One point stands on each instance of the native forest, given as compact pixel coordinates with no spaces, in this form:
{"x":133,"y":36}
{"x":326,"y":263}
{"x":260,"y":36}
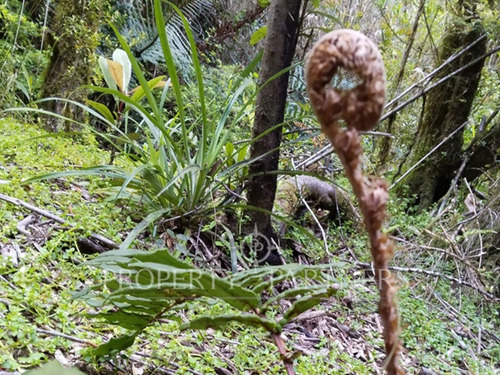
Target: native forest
{"x":250,"y":187}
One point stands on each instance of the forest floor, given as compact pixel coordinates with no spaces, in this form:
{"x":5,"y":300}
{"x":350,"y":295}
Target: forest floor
{"x":46,"y":227}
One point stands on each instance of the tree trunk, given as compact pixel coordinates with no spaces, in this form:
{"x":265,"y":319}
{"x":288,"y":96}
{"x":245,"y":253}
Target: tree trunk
{"x":447,"y":108}
{"x":279,"y":49}
{"x":74,"y":36}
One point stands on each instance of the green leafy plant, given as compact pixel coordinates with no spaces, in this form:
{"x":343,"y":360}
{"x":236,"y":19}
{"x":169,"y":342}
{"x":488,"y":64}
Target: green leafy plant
{"x":155,"y":285}
{"x":21,"y":64}
{"x":175,"y":164}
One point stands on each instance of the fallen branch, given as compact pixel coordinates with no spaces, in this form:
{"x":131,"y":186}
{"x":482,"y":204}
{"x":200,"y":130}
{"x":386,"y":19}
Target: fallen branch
{"x":439,"y":82}
{"x":18,"y":202}
{"x":65,"y":336}
{"x":434,"y":274}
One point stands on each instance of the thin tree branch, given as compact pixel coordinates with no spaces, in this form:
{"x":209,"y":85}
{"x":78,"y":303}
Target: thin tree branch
{"x":434,"y":274}
{"x":441,"y":81}
{"x":435,"y":71}
{"x":427,"y":155}
{"x":328,"y":149}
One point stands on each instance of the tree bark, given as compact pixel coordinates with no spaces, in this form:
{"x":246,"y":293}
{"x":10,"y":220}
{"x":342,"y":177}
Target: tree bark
{"x":447,"y":108}
{"x":279,"y":49}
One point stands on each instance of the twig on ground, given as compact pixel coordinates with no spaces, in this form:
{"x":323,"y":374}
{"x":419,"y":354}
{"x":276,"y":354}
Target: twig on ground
{"x":434,"y":274}
{"x":18,"y":202}
{"x":21,"y":226}
{"x":65,"y":336}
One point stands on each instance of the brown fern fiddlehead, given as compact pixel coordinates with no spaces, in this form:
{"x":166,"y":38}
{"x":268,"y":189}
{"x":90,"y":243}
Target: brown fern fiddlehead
{"x":360,"y":108}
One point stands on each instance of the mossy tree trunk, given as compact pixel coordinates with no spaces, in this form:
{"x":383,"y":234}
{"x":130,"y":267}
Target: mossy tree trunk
{"x":74,"y":37}
{"x":447,"y":108}
{"x":279,"y":49}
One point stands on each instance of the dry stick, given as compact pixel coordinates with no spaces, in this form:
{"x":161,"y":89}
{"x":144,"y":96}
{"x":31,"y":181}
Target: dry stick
{"x":409,"y":45}
{"x":427,"y":155}
{"x":65,"y":336}
{"x":360,"y":108}
{"x":288,"y":361}
{"x":386,"y":144}
{"x":436,"y":71}
{"x":435,"y":274}
{"x":327,"y":149}
{"x":18,"y":202}
{"x":441,"y":81}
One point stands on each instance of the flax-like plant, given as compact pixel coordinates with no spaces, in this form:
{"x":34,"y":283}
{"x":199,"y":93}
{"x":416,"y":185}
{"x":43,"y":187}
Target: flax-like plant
{"x":173,"y":163}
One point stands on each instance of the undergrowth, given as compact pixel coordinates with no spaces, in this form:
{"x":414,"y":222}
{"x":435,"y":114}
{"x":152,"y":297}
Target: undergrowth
{"x":39,"y":318}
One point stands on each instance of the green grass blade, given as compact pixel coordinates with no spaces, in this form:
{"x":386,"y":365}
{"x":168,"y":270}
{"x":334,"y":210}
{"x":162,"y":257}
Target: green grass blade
{"x":151,"y":218}
{"x":206,"y":128}
{"x":172,"y":72}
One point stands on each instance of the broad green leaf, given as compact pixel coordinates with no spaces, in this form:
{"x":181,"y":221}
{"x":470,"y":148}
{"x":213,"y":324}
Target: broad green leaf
{"x":54,"y":368}
{"x":151,"y":306}
{"x":258,"y":35}
{"x":170,"y":269}
{"x":307,"y":302}
{"x":292,"y":293}
{"x":229,"y":148}
{"x":242,"y":154}
{"x":103,"y":110}
{"x":139,"y":93}
{"x":158,"y":289}
{"x":218,"y":322}
{"x":274,"y":274}
{"x":126,"y":320}
{"x":115,"y":345}
{"x":209,"y":284}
